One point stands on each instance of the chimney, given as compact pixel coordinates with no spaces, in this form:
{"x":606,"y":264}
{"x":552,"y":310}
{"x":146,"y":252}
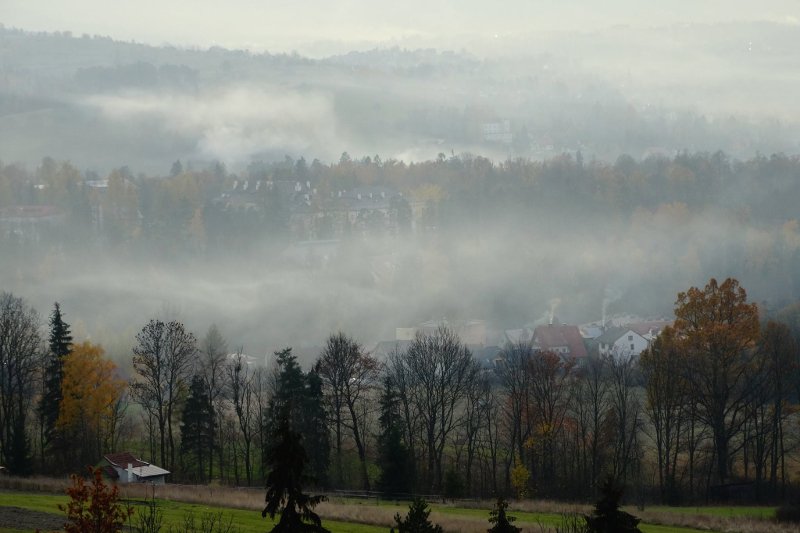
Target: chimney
{"x":130,"y":473}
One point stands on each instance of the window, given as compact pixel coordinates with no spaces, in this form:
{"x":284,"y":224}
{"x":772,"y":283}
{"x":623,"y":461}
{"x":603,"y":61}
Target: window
{"x":632,"y":348}
{"x":630,"y":337}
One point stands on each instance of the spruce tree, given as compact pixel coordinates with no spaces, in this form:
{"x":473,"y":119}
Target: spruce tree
{"x":301,"y":395}
{"x":287,"y":459}
{"x":315,"y":429}
{"x":607,"y":516}
{"x":393,"y":455}
{"x":60,"y":344}
{"x":197,"y":430}
{"x":416,"y":521}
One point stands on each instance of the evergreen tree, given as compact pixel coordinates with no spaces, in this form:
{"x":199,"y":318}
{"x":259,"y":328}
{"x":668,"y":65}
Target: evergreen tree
{"x":19,"y":455}
{"x":197,"y":430}
{"x":416,"y":521}
{"x":393,"y":456}
{"x":289,"y":388}
{"x":502,"y":523}
{"x":287,"y":459}
{"x":315,"y":429}
{"x":60,"y":344}
{"x":301,"y":395}
{"x":607,"y":516}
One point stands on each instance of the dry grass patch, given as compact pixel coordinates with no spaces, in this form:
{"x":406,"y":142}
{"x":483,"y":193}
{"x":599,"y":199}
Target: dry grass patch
{"x":466,"y":516}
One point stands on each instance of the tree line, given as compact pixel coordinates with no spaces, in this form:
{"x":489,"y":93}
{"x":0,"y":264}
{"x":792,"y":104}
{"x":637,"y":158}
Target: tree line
{"x":708,"y":411}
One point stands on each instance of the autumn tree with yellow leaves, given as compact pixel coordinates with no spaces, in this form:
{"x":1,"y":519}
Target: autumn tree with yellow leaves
{"x":91,"y":391}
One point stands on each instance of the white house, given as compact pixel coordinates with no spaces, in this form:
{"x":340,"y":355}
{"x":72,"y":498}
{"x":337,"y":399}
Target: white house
{"x":125,"y":468}
{"x":621,"y":342}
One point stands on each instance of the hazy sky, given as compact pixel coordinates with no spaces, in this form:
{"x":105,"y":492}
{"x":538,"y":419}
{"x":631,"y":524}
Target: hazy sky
{"x":282,"y":25}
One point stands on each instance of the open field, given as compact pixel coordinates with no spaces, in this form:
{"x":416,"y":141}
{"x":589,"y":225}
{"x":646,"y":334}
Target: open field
{"x":361,"y":516}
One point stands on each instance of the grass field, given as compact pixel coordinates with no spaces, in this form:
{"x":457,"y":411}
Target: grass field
{"x":342,"y":516}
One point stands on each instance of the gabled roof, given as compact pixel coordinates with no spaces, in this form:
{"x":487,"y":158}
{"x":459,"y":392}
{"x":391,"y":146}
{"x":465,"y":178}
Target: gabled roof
{"x":123,"y":459}
{"x":652,"y":327}
{"x":611,"y":335}
{"x":553,"y":336}
{"x":138,"y":467}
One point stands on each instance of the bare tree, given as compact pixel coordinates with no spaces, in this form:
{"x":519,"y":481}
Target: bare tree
{"x":550,"y":380}
{"x":778,"y":348}
{"x":213,"y":351}
{"x":162,"y":359}
{"x":476,"y":416}
{"x":441,"y":370}
{"x":666,"y":407}
{"x":626,"y":411}
{"x":590,"y":408}
{"x":241,"y":393}
{"x":20,"y":345}
{"x":398,"y":372}
{"x":515,"y":379}
{"x":490,"y":445}
{"x":348,"y":375}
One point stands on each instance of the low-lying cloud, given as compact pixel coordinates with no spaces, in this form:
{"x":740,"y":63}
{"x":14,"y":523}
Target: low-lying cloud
{"x":233,"y":124}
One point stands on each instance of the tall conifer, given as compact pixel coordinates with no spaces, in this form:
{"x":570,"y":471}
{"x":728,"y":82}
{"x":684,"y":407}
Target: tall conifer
{"x":60,"y":343}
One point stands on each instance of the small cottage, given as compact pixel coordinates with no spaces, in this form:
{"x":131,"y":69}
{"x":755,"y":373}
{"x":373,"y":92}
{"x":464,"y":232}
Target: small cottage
{"x":125,"y":468}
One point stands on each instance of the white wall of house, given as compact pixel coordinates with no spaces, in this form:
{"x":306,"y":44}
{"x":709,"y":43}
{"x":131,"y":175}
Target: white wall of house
{"x":629,"y":343}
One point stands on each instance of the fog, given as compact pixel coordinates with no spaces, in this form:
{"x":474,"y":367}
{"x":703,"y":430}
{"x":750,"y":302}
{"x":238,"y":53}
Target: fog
{"x":306,"y":24}
{"x":232,"y":124}
{"x":511,"y":124}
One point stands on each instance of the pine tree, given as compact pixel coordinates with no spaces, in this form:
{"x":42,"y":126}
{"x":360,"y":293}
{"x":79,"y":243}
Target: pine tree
{"x":393,"y":455}
{"x":287,"y":459}
{"x":60,"y":344}
{"x":197,"y":429}
{"x":502,"y":523}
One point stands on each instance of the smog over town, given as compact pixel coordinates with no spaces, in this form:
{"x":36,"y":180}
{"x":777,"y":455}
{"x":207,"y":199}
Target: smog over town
{"x":506,"y":251}
{"x":544,"y":150}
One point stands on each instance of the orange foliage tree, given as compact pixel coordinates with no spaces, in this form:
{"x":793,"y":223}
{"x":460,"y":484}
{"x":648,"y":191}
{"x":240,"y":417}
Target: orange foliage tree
{"x":717,"y":330}
{"x":91,"y":392}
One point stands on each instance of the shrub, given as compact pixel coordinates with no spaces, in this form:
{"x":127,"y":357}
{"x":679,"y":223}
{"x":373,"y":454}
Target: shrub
{"x":519,"y":480}
{"x":150,"y":518}
{"x":94,"y":508}
{"x":788,"y":513}
{"x":572,"y":523}
{"x":209,"y":522}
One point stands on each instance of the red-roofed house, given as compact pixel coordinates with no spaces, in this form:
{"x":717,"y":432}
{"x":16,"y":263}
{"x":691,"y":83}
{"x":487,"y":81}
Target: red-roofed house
{"x":124,"y":467}
{"x":561,"y":339}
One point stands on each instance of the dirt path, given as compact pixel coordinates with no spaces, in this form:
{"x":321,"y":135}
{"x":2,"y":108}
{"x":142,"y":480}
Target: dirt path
{"x":18,"y":518}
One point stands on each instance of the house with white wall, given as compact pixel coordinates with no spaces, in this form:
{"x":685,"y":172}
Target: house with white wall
{"x":621,"y":342}
{"x":124,"y":467}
